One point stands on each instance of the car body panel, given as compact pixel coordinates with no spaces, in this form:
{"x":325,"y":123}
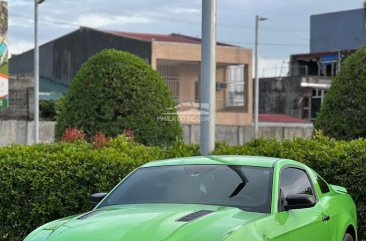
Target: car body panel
{"x":158,"y":222}
{"x":153,"y":222}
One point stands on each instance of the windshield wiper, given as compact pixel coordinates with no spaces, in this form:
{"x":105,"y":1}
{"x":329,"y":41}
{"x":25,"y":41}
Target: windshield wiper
{"x":238,"y":170}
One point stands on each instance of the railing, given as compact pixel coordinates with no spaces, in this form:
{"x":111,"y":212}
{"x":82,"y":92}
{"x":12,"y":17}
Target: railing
{"x":278,"y":72}
{"x":294,"y":71}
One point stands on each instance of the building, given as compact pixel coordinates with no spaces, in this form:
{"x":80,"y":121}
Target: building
{"x":300,"y":93}
{"x":344,"y":30}
{"x":176,"y":57}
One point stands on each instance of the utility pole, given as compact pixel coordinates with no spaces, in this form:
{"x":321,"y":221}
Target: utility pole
{"x":36,"y":72}
{"x":256,"y":87}
{"x":208,"y":77}
{"x":364,"y":8}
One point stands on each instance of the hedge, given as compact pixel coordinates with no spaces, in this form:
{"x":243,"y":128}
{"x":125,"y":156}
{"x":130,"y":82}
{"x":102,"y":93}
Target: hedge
{"x":47,"y":110}
{"x":45,"y":182}
{"x":116,"y":91}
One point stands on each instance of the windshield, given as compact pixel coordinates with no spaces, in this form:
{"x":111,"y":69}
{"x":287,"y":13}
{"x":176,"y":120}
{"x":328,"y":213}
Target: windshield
{"x":248,"y":188}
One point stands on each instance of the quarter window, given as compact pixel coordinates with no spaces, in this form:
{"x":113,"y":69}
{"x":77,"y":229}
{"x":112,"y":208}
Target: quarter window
{"x":324,"y":188}
{"x":295,"y":181}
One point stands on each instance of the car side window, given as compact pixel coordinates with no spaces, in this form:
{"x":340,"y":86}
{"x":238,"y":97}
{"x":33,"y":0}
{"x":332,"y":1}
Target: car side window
{"x":294,"y":181}
{"x":324,"y":188}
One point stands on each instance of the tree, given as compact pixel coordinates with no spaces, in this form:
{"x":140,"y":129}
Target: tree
{"x":116,"y":91}
{"x":343,"y":114}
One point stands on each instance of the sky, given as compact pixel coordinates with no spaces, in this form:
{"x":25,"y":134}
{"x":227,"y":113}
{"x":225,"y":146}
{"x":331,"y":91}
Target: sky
{"x":286,"y":32}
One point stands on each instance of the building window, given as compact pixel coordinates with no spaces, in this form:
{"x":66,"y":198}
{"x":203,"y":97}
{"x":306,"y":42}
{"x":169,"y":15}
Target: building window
{"x":313,"y":103}
{"x":169,"y":72}
{"x":180,"y":77}
{"x":197,"y":91}
{"x":183,"y":80}
{"x":328,"y":65}
{"x":235,"y":86}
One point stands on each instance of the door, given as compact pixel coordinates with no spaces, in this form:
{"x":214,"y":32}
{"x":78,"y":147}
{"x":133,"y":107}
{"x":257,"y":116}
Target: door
{"x":308,"y":224}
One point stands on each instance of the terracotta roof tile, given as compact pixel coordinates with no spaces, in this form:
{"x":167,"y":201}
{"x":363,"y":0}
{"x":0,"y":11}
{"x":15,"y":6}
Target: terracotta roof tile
{"x":278,"y":118}
{"x":174,"y":37}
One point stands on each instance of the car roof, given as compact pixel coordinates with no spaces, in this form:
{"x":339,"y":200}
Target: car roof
{"x":255,"y":161}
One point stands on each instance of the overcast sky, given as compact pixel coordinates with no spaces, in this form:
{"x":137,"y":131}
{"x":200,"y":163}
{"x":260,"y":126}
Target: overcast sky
{"x":286,"y":32}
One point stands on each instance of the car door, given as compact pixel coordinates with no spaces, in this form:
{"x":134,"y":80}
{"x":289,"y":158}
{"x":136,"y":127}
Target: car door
{"x":307,"y":224}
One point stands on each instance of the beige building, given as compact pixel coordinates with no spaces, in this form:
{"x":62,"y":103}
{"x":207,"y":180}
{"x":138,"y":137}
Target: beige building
{"x":177,"y":58}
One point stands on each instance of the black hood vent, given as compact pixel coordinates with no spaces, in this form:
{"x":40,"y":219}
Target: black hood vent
{"x":90,"y":214}
{"x":194,"y":216}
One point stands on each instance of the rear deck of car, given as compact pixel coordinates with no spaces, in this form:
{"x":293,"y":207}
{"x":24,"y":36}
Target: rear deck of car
{"x":217,"y":160}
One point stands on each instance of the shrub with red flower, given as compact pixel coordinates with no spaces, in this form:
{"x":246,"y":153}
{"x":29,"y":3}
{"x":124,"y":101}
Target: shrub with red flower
{"x":100,"y":140}
{"x":73,"y":134}
{"x":128,"y":133}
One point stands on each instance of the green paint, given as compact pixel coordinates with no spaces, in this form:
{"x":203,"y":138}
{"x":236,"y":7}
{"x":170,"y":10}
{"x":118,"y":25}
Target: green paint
{"x":158,"y":222}
{"x":4,"y":103}
{"x":4,"y":69}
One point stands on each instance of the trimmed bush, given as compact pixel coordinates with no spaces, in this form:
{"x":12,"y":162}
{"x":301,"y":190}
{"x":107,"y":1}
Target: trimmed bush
{"x":116,"y":91}
{"x":342,"y":115}
{"x":47,"y":110}
{"x":45,"y":182}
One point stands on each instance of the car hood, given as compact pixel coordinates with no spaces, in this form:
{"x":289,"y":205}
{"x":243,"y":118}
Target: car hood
{"x":153,"y":222}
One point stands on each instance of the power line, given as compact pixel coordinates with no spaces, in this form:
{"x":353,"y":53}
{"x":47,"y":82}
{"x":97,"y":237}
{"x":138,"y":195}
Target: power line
{"x":63,"y":23}
{"x":56,"y":22}
{"x":222,"y":25}
{"x":186,"y":21}
{"x":271,"y":44}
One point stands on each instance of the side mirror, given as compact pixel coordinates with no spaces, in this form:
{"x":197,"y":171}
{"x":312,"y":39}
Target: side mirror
{"x":97,"y":198}
{"x":299,"y":201}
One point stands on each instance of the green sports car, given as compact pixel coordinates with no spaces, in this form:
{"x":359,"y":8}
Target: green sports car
{"x":216,"y":198}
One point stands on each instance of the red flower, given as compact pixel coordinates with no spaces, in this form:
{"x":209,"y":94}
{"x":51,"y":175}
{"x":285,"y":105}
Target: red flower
{"x":100,"y":140}
{"x":128,"y":133}
{"x":73,"y":134}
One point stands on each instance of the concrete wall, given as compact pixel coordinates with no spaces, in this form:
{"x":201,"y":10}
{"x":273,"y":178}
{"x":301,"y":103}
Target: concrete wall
{"x":21,"y":132}
{"x":192,"y":53}
{"x":338,"y":31}
{"x":240,"y":135}
{"x":21,"y":99}
{"x":280,"y":96}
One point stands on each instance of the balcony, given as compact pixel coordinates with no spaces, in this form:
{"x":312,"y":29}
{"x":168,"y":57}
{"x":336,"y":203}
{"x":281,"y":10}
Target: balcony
{"x":183,"y":80}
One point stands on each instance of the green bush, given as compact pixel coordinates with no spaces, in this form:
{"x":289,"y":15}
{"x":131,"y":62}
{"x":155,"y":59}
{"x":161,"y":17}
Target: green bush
{"x":342,"y":115}
{"x":114,"y":91}
{"x":45,"y":182}
{"x":47,"y":110}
